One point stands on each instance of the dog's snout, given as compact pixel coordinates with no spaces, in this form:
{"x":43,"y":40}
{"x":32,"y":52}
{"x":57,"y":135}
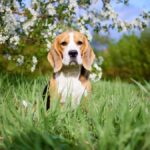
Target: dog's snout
{"x":73,"y":53}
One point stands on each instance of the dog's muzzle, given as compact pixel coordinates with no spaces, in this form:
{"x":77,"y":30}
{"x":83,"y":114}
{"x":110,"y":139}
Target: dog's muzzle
{"x":73,"y":55}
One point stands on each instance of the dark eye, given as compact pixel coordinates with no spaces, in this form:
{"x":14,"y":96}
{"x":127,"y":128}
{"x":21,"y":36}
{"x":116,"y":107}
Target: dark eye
{"x":79,"y":43}
{"x":64,"y":43}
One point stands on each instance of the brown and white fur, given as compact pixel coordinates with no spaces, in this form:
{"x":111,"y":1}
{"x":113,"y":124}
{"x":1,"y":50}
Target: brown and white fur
{"x":71,"y":57}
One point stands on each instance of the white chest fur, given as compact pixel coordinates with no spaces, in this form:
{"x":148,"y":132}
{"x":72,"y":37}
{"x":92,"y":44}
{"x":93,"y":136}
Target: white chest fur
{"x":70,"y":87}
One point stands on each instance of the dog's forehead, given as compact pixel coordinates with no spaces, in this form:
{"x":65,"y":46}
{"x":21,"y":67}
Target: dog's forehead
{"x":78,"y":36}
{"x":72,"y":35}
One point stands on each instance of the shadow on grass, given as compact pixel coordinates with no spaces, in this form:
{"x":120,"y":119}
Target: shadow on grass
{"x":33,"y":140}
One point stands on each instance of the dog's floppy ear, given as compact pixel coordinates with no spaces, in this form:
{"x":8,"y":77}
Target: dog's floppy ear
{"x":88,"y":56}
{"x":54,"y":57}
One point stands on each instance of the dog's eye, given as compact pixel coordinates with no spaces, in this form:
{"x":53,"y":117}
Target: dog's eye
{"x":64,"y":43}
{"x":79,"y":43}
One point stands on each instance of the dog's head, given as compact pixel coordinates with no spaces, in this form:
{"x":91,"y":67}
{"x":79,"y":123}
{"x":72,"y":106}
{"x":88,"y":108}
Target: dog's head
{"x":71,"y":48}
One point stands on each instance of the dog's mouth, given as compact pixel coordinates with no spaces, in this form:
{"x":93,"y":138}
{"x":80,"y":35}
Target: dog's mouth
{"x":73,"y":62}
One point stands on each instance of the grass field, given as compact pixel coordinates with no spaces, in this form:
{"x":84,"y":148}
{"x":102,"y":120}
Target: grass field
{"x":117,"y":118}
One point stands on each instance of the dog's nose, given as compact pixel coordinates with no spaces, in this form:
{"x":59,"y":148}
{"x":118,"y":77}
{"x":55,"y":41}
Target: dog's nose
{"x":73,"y":53}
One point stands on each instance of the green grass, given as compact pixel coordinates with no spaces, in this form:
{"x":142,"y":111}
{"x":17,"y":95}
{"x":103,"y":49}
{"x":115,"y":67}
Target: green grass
{"x":117,"y":117}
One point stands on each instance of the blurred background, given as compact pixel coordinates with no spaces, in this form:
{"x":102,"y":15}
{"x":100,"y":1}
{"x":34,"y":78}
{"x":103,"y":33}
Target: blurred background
{"x":126,"y":53}
{"x":127,"y":57}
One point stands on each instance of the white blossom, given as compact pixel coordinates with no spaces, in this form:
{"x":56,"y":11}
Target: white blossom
{"x":85,"y":17}
{"x":72,"y":4}
{"x":25,"y":103}
{"x":34,"y":63}
{"x":100,"y":75}
{"x":30,"y":23}
{"x":89,"y":36}
{"x":22,"y":19}
{"x":86,"y":32}
{"x":1,"y":8}
{"x":15,"y":4}
{"x":51,"y":9}
{"x":34,"y":60}
{"x":34,"y":2}
{"x":92,"y":76}
{"x":48,"y":45}
{"x":61,"y":1}
{"x":3,"y":39}
{"x":27,"y":25}
{"x":14,"y":40}
{"x":11,"y":23}
{"x":100,"y":60}
{"x":33,"y":68}
{"x":97,"y":67}
{"x":96,"y":74}
{"x":20,"y":60}
{"x":7,"y":9}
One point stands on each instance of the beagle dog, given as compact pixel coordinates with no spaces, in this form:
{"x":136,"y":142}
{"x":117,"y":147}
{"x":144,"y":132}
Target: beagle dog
{"x":71,"y":57}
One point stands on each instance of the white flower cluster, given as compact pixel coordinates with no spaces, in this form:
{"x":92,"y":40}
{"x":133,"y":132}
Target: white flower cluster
{"x":3,"y":38}
{"x":27,"y":25}
{"x":96,"y":74}
{"x":108,"y":13}
{"x":34,"y":2}
{"x":8,"y":25}
{"x":48,"y":45}
{"x":10,"y":22}
{"x":86,"y":32}
{"x":14,"y":40}
{"x":34,"y":63}
{"x":51,"y":9}
{"x":81,"y":23}
{"x":49,"y":33}
{"x":15,"y":4}
{"x":72,"y":5}
{"x":20,"y":60}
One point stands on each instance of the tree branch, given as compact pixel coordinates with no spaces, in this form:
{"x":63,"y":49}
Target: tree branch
{"x":105,"y":2}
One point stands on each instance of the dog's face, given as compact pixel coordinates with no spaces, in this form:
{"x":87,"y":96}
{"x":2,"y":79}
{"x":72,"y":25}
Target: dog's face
{"x":71,"y":48}
{"x":71,"y":44}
